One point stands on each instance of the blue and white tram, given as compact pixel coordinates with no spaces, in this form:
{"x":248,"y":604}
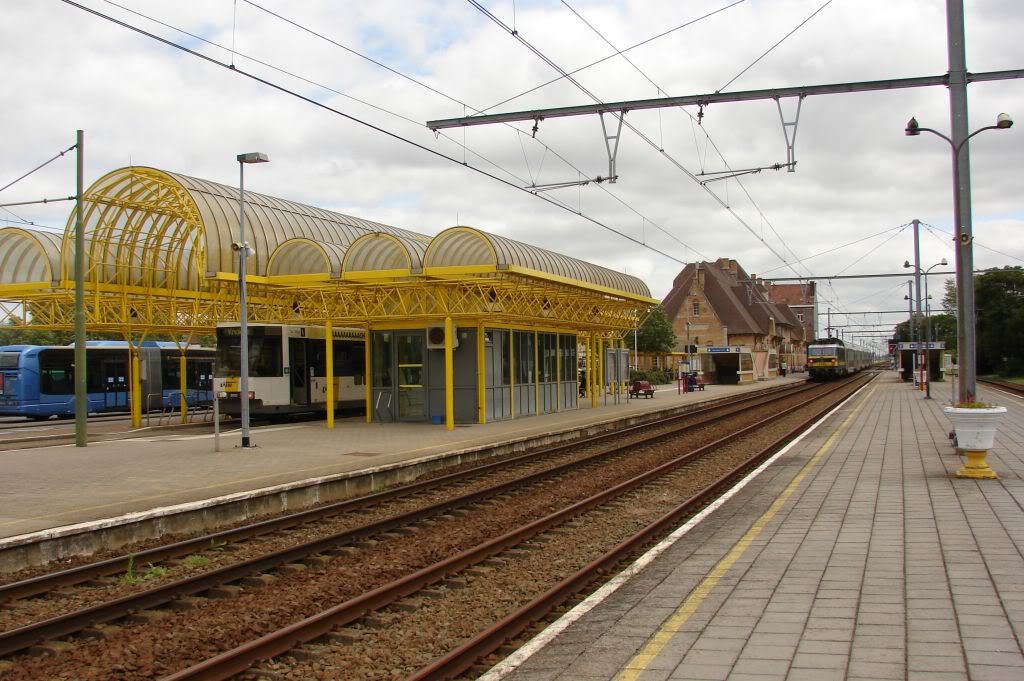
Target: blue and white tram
{"x":38,"y":381}
{"x":288,"y":368}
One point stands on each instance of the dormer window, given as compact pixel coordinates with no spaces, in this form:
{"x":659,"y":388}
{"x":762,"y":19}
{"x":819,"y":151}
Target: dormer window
{"x":696,"y":309}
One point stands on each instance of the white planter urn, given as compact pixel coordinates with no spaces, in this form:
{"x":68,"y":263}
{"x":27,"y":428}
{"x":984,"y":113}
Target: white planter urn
{"x":975,"y":432}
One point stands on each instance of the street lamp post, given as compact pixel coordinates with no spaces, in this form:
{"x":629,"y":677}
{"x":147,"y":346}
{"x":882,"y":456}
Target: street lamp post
{"x":928,"y":330}
{"x":244,"y":251}
{"x":964,"y":255}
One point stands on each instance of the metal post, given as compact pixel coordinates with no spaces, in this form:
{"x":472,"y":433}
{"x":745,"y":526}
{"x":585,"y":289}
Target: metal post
{"x":81,"y":390}
{"x":216,"y":422}
{"x":928,"y":340}
{"x":183,"y":383}
{"x":917,"y":287}
{"x":243,"y":313}
{"x":449,"y":374}
{"x":910,"y":322}
{"x":329,"y":361}
{"x":962,"y":198}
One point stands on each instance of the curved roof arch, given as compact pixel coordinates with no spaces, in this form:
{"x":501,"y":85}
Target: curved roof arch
{"x":466,"y":246}
{"x":29,"y":255}
{"x":381,"y":252}
{"x":306,"y":256}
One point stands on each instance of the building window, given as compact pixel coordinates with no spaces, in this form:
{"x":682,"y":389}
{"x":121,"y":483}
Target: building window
{"x":800,"y":316}
{"x":696,"y":309}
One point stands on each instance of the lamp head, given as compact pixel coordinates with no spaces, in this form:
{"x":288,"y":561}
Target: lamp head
{"x":912,"y":128}
{"x":253,"y":157}
{"x":906,"y":263}
{"x":943,"y":262}
{"x":1004,"y":121}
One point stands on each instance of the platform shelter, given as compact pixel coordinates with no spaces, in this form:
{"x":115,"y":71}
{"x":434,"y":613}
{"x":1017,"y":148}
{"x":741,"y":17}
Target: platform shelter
{"x":489,"y":326}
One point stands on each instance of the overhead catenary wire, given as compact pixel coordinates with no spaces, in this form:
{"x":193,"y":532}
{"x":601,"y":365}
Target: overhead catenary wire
{"x":547,"y":148}
{"x":395,"y":136}
{"x":724,"y":203}
{"x":37,"y":168}
{"x":770,"y":49}
{"x":975,"y":241}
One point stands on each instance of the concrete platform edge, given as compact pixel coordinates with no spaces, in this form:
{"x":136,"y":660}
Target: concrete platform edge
{"x":44,"y":546}
{"x":538,"y":642}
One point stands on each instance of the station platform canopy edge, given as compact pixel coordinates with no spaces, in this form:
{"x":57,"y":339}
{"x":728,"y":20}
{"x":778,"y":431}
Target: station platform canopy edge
{"x":160,"y":258}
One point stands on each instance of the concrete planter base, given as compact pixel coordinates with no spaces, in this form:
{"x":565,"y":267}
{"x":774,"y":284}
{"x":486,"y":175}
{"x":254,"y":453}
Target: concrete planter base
{"x":975,"y":432}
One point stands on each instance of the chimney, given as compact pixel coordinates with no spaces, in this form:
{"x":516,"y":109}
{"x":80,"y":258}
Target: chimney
{"x":725,"y":335}
{"x":700,"y":276}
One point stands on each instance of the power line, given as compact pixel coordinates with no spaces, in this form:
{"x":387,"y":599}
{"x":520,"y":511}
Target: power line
{"x":515,"y":34}
{"x":455,"y":100}
{"x":38,"y":167}
{"x":976,"y":243}
{"x":765,"y":54}
{"x":354,"y":119}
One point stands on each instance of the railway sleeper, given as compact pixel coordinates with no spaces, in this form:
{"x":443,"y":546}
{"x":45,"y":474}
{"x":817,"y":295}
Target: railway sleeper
{"x":48,"y":648}
{"x":291,"y":568}
{"x":100,"y":631}
{"x":407,"y":605}
{"x":146,"y":616}
{"x":343,"y":636}
{"x":186,"y":603}
{"x":257,"y":581}
{"x":309,"y":652}
{"x":223,"y":592}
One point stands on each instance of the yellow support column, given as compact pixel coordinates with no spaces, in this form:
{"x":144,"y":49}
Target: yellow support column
{"x":183,"y":386}
{"x":600,"y":367}
{"x":511,"y":374}
{"x":593,"y":371}
{"x":449,"y":374}
{"x":136,"y":390}
{"x":558,"y":373}
{"x":329,"y":358}
{"x":368,"y":375}
{"x":481,"y":376}
{"x":536,"y":373}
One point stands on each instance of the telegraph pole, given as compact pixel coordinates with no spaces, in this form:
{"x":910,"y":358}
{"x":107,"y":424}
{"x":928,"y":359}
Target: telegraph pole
{"x":81,"y":396}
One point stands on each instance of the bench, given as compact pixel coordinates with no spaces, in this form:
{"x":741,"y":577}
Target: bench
{"x":693,"y":383}
{"x":639,"y":387}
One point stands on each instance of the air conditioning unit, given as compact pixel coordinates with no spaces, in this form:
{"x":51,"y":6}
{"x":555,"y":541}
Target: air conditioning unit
{"x":435,"y":337}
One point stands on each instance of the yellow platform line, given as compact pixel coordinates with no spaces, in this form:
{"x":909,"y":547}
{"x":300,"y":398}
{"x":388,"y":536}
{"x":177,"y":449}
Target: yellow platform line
{"x":673,"y":624}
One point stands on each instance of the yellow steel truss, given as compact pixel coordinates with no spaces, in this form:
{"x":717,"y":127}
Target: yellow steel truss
{"x":146,"y":274}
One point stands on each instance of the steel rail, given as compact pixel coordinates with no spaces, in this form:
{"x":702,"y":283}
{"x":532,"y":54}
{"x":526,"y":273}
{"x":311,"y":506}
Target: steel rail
{"x":462,"y":658}
{"x":241,"y":658}
{"x":18,"y":639}
{"x":84,"y":573}
{"x":1016,"y":388}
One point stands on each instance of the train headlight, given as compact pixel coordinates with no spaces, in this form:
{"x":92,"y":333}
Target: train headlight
{"x":252,"y":395}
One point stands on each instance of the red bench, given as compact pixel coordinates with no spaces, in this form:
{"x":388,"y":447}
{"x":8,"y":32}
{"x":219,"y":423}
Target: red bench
{"x":639,"y":387}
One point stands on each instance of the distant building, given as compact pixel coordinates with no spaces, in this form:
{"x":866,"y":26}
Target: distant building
{"x":802,"y":300}
{"x":735,"y":331}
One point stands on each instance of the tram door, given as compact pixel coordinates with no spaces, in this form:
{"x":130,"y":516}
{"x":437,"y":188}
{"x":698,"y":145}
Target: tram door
{"x":114,"y":373}
{"x":412,"y":392}
{"x":299,"y":370}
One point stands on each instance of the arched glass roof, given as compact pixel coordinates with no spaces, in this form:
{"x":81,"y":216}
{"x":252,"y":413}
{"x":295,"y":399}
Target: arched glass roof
{"x":155,"y":229}
{"x":29,"y":255}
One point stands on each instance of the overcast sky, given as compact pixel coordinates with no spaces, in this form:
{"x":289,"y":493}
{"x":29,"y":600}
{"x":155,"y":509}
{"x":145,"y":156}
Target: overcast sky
{"x":858,"y":178}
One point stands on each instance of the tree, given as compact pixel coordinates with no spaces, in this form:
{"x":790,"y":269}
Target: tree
{"x":656,"y":334}
{"x":999,"y":306}
{"x":12,"y":333}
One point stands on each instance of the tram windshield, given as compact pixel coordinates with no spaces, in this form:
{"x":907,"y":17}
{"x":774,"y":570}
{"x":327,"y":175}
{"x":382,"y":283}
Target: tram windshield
{"x":827,"y":350}
{"x":264,"y":351}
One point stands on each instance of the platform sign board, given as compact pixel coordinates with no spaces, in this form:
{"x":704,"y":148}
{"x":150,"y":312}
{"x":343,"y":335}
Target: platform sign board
{"x":918,"y":345}
{"x":722,"y":349}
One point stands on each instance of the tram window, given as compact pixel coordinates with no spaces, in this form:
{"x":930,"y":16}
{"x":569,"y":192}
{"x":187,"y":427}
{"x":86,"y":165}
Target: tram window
{"x":56,"y":374}
{"x":9,"y":360}
{"x":547,"y":356}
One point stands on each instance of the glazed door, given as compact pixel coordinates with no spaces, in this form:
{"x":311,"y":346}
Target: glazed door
{"x":412,"y":393}
{"x":115,"y":382}
{"x":299,"y":370}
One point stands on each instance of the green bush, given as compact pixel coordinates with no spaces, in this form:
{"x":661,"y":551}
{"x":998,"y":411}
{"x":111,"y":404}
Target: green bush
{"x":652,"y":376}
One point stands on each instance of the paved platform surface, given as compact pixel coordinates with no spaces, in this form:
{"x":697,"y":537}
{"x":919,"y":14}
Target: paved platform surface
{"x":48,"y":487}
{"x":856,"y":555}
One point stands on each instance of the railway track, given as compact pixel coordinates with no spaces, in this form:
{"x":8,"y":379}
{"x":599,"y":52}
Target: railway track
{"x":1009,"y":386}
{"x":366,"y":567}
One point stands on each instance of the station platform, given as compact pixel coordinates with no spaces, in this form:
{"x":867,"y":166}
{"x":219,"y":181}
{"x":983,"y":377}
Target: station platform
{"x":142,"y":487}
{"x":857,"y":554}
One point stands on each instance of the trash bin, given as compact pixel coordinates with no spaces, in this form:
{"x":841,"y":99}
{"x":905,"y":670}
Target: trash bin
{"x":437,"y":420}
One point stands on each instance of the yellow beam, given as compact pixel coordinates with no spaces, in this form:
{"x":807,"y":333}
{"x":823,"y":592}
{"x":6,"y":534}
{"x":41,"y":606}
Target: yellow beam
{"x":449,"y":374}
{"x":329,"y":358}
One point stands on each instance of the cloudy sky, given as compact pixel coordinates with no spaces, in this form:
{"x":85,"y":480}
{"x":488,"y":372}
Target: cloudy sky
{"x":859,"y":180}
